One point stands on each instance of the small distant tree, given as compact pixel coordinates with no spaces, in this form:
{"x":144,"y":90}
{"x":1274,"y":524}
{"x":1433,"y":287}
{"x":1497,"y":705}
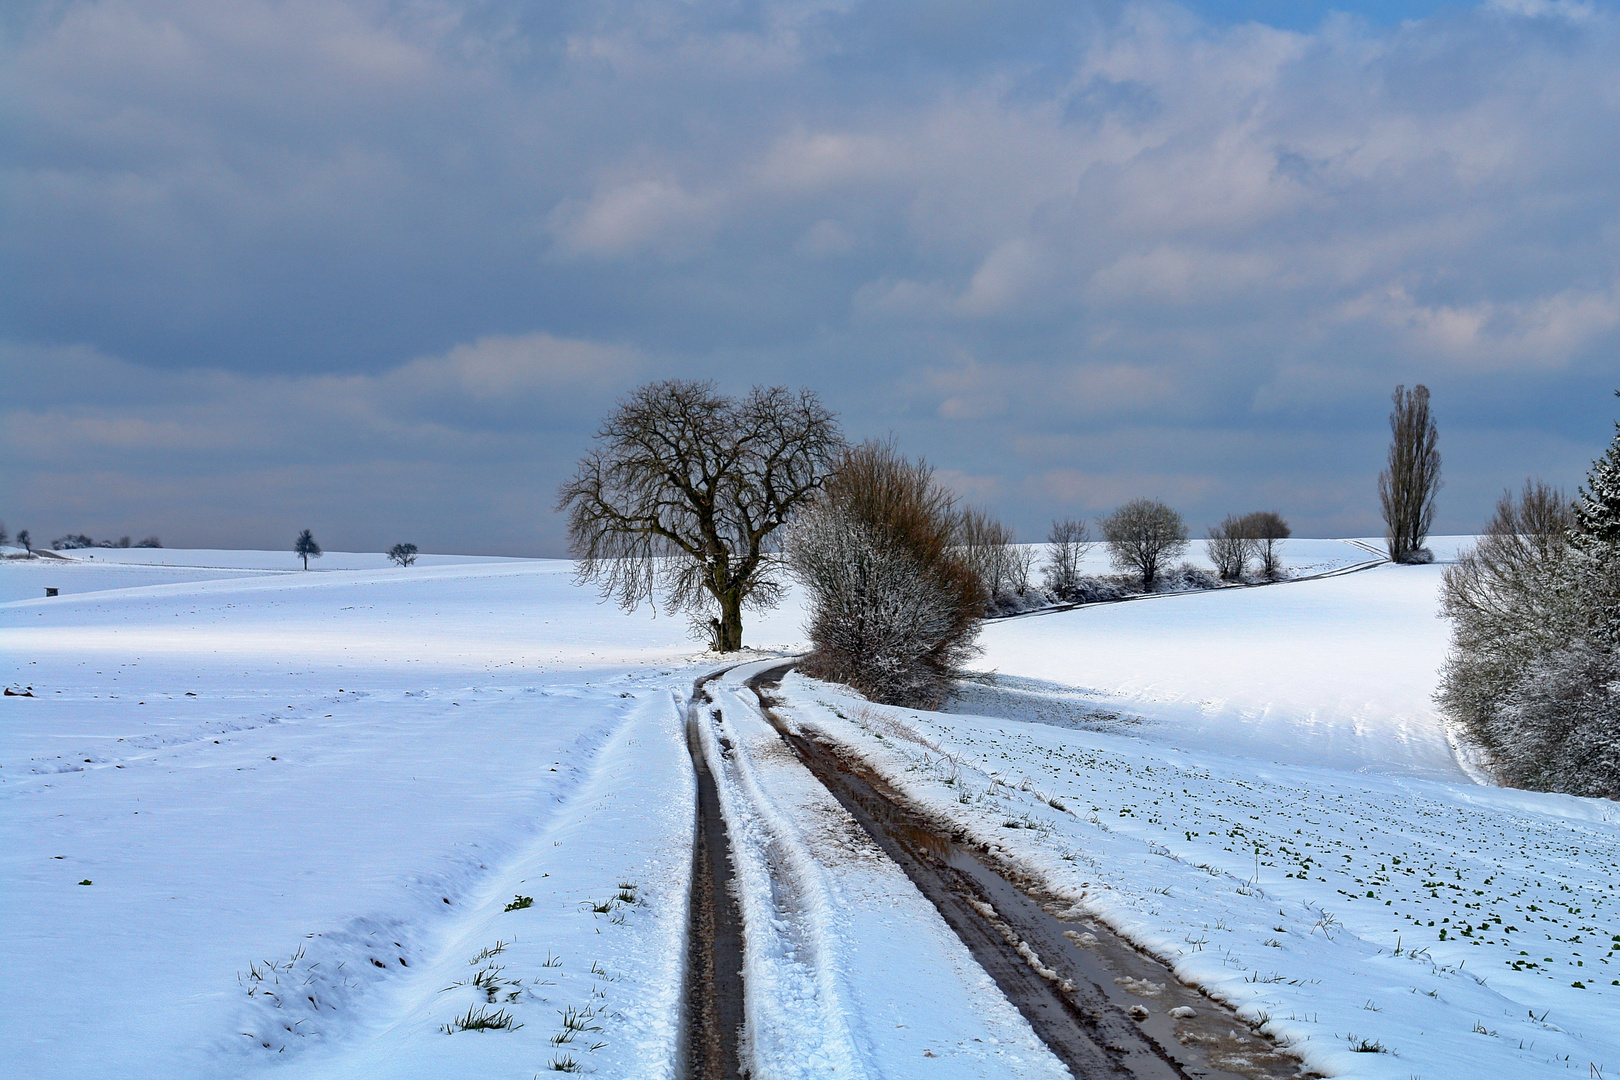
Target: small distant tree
{"x":306,"y":548}
{"x":5,"y":537}
{"x":894,"y":602}
{"x":403,"y":554}
{"x":1408,"y":485}
{"x":25,"y":540}
{"x":1142,"y":536}
{"x":1229,"y":547}
{"x":1068,"y":541}
{"x":684,"y":491}
{"x":150,"y":542}
{"x":1266,"y":530}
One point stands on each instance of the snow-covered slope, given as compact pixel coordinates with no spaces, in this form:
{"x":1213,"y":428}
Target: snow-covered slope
{"x":1338,"y":671}
{"x":302,"y":803}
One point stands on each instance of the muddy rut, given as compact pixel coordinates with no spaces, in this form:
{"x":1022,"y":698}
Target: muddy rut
{"x":1102,"y":1006}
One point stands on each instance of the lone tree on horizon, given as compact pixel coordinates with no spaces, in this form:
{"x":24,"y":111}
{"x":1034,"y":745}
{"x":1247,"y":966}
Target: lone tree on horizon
{"x":1142,"y":536}
{"x":683,"y":491}
{"x":1408,"y":485}
{"x":306,"y":548}
{"x":402,"y":554}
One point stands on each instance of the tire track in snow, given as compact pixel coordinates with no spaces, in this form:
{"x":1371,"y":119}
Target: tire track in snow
{"x":796,"y":1018}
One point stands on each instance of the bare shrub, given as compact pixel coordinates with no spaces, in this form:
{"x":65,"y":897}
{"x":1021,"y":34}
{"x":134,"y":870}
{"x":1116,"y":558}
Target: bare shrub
{"x":683,"y":493}
{"x":1408,"y":485}
{"x":1143,"y":536}
{"x":894,"y":603}
{"x":1229,"y":548}
{"x":1068,"y":542}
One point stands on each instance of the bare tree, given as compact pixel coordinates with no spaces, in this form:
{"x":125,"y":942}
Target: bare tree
{"x":894,"y":602}
{"x":402,"y":554}
{"x":5,"y":537}
{"x":306,"y":548}
{"x":1407,"y":487}
{"x":1142,"y":536}
{"x":683,"y":493}
{"x":1068,"y":541}
{"x":1266,"y":530}
{"x":1229,"y":547}
{"x":25,"y":540}
{"x":992,"y":550}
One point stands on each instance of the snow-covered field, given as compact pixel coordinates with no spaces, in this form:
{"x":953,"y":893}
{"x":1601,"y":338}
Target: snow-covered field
{"x":304,"y":802}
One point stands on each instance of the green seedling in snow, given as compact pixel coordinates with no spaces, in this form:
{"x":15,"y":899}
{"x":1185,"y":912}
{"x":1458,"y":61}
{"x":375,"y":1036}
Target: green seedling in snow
{"x":520,"y":902}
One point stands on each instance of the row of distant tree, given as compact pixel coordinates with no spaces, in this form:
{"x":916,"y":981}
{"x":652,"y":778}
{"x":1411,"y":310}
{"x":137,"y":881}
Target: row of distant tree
{"x":74,"y":540}
{"x":681,"y":500}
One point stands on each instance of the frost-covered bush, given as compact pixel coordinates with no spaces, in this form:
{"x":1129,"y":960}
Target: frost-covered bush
{"x":1560,"y":727}
{"x":1533,"y":675}
{"x":150,"y":542}
{"x":894,"y":604}
{"x":1091,"y":590}
{"x":1186,"y":578}
{"x":72,"y":542}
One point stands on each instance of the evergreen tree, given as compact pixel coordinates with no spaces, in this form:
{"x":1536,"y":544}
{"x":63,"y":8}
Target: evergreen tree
{"x":1595,"y":539}
{"x":1597,"y":509}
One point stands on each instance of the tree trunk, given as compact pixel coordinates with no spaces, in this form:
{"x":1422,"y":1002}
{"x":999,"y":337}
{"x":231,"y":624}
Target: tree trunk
{"x":727,"y":628}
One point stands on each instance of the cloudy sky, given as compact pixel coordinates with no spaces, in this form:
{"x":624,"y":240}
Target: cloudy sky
{"x":377,"y":268}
